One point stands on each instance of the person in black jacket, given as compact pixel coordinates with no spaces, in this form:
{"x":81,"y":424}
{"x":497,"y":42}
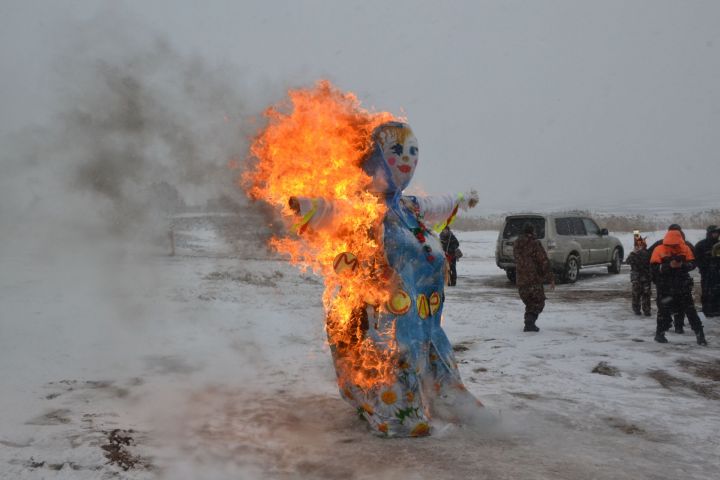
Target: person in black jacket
{"x":671,"y":264}
{"x":679,"y":318}
{"x":709,"y":267}
{"x":451,"y":246}
{"x":640,"y":276}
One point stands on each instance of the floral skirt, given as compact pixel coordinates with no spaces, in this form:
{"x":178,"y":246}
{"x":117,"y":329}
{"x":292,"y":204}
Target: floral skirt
{"x":421,"y":390}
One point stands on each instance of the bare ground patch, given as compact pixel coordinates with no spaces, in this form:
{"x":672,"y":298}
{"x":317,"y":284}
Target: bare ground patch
{"x":33,"y":464}
{"x":624,"y":426}
{"x":709,"y":370}
{"x":59,"y":416}
{"x":672,"y":382}
{"x":250,"y":278}
{"x":462,"y":346}
{"x":501,"y":287}
{"x":587,"y":295}
{"x":83,"y":425}
{"x":118,"y":450}
{"x":604,"y":368}
{"x":64,"y":387}
{"x":526,"y":396}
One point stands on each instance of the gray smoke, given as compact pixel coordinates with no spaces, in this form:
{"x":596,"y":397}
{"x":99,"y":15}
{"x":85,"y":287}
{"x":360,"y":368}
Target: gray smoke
{"x":139,"y":132}
{"x":155,"y":129}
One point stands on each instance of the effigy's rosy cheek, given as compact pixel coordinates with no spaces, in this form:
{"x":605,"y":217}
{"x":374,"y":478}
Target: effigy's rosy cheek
{"x":391,"y":160}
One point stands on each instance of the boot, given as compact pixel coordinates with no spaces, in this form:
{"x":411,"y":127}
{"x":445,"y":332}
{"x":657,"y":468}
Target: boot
{"x":700,"y":335}
{"x":647,"y":314}
{"x":660,"y":338}
{"x":636,"y":311}
{"x":679,"y":328}
{"x":530,"y":326}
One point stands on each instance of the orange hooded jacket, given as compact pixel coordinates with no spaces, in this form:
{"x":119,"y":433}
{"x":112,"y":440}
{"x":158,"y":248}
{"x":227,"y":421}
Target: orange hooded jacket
{"x":673,"y":244}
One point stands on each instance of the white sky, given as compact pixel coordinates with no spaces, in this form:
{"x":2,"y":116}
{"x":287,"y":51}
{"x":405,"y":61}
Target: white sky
{"x":535,"y":103}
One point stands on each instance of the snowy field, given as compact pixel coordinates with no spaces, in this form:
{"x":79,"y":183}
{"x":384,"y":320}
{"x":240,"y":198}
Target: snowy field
{"x":206,"y":365}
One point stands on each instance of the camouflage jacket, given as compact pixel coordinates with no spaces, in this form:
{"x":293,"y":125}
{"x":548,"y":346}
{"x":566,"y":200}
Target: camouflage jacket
{"x":531,"y":262}
{"x":449,"y":242}
{"x":640,"y":264}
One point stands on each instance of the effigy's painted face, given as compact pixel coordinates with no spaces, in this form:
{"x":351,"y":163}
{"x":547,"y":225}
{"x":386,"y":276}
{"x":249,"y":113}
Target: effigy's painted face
{"x":400,"y":151}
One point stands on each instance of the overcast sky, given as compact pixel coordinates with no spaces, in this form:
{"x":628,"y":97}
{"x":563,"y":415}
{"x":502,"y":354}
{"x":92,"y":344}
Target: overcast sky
{"x":536,"y":103}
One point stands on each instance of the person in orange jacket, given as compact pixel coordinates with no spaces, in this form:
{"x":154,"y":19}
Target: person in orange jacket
{"x":679,"y":317}
{"x":671,"y":264}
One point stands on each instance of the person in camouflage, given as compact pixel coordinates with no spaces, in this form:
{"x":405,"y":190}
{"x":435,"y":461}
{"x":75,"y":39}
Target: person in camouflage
{"x":532,"y":270}
{"x":640,"y":276}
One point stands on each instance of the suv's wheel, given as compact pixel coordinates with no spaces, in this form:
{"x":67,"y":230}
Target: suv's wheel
{"x":572,"y":267}
{"x":615,"y":262}
{"x":511,"y":275}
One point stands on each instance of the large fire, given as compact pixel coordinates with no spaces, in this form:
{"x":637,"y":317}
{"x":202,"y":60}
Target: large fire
{"x":313,"y":147}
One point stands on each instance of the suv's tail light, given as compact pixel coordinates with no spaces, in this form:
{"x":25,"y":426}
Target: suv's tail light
{"x":551,"y":245}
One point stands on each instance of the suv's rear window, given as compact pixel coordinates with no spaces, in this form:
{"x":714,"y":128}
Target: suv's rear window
{"x":514,"y":226}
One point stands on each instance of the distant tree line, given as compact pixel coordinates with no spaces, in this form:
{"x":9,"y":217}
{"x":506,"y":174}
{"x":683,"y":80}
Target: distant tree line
{"x":613,"y":222}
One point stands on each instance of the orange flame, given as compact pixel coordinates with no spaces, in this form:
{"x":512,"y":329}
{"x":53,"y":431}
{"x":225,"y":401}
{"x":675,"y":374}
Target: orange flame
{"x":313,"y":147}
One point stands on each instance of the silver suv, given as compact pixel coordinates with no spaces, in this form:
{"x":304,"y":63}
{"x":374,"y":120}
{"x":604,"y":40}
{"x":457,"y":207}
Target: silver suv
{"x":571,"y":242}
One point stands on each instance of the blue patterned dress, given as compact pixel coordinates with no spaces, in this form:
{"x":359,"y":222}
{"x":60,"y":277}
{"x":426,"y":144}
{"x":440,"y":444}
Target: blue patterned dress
{"x":426,"y":369}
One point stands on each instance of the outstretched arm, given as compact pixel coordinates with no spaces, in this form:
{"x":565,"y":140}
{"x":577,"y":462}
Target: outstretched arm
{"x":313,"y":212}
{"x":440,"y":210}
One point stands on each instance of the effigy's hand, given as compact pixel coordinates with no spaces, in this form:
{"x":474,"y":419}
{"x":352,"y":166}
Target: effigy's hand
{"x":473,"y":199}
{"x":294,"y":205}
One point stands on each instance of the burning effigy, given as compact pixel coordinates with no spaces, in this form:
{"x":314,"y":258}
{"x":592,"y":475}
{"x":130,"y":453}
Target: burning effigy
{"x":336,"y":172}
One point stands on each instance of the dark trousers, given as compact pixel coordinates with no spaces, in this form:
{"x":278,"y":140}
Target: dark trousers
{"x":533,"y":296}
{"x":452,"y":278}
{"x":710,"y":295}
{"x":669,"y":304}
{"x":641,"y":291}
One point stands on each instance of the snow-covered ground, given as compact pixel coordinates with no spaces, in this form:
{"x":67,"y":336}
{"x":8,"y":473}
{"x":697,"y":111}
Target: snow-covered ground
{"x":206,"y":365}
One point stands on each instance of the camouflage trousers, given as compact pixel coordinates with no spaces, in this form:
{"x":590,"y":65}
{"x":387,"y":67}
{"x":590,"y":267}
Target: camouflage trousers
{"x":641,"y":292}
{"x":533,"y":296}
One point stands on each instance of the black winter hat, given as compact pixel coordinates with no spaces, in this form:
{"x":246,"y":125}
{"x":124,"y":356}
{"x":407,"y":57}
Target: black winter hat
{"x":675,"y":226}
{"x":713,"y":228}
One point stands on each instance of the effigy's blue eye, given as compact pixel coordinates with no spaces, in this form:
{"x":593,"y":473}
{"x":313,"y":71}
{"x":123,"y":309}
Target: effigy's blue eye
{"x":397,"y":149}
{"x":413,"y":150}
